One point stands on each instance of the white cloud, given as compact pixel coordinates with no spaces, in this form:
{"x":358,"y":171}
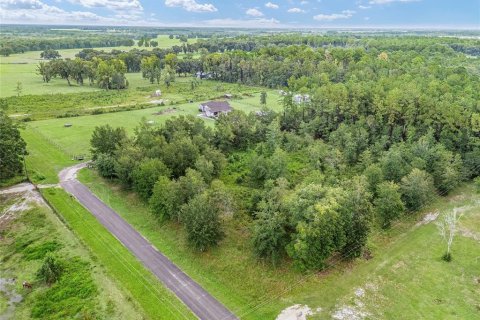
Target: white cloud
{"x":36,"y":11}
{"x":303,"y":2}
{"x":21,"y":4}
{"x":295,"y":10}
{"x":271,"y":5}
{"x":248,"y":23}
{"x":345,"y":14}
{"x":191,"y":5}
{"x":389,"y":1}
{"x":364,"y":7}
{"x":254,"y":12}
{"x":119,"y":5}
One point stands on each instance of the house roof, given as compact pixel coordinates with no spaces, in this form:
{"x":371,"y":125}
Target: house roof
{"x":216,"y":106}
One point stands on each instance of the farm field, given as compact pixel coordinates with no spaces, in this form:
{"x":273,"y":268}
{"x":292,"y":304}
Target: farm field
{"x":30,"y":230}
{"x":22,"y":67}
{"x":75,"y":140}
{"x":402,"y":278}
{"x":44,"y":106}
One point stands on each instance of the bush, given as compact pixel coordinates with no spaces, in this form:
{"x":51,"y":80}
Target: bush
{"x":417,"y":189}
{"x":146,"y":174}
{"x":202,"y":222}
{"x":51,"y":269}
{"x":476,"y":182}
{"x":388,"y":204}
{"x":105,"y":165}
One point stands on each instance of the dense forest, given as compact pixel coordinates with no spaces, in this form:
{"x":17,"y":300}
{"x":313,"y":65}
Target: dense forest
{"x":387,"y":125}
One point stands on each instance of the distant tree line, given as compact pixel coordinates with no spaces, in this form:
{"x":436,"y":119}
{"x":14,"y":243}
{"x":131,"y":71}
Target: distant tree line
{"x":10,"y":45}
{"x":106,"y":74}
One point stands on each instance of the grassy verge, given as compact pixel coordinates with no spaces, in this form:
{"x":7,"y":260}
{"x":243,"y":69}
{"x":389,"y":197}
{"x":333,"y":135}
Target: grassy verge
{"x":406,"y":276}
{"x":155,"y":300}
{"x":11,"y":181}
{"x":29,"y":230}
{"x":44,"y":160}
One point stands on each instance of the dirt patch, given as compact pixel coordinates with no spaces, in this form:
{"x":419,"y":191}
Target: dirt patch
{"x":166,"y":111}
{"x":29,"y":197}
{"x":429,"y":217}
{"x":297,"y":312}
{"x":349,"y":313}
{"x":469,"y":234}
{"x":7,"y":288}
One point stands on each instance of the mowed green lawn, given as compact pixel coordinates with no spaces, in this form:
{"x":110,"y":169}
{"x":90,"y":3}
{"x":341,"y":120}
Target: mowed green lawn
{"x":75,"y":140}
{"x":405,"y":279}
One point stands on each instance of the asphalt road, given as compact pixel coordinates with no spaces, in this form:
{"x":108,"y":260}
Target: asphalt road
{"x":202,"y":304}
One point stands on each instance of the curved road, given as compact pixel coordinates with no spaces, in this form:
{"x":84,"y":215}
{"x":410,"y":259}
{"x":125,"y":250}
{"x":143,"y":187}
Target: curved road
{"x":203,"y":305}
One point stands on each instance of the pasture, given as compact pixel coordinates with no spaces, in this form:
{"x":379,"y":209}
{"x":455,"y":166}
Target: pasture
{"x":21,"y":67}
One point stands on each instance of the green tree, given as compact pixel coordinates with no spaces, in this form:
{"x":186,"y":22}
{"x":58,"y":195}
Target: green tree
{"x":19,"y":88}
{"x":388,"y":204}
{"x":6,"y":51}
{"x":417,"y":189}
{"x":151,"y":68}
{"x":263,"y":98}
{"x":319,"y":236}
{"x":50,"y":54}
{"x":51,"y":269}
{"x":107,"y":140}
{"x":202,"y":222}
{"x":270,"y":236}
{"x":165,"y":200}
{"x":146,"y":175}
{"x":46,"y":71}
{"x":357,"y":216}
{"x":105,"y":164}
{"x":12,"y":148}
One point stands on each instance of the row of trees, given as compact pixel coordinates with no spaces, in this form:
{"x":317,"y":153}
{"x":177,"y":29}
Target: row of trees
{"x":10,"y":45}
{"x":107,"y":74}
{"x":12,"y":147}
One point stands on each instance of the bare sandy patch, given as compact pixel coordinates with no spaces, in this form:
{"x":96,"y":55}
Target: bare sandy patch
{"x":297,"y":312}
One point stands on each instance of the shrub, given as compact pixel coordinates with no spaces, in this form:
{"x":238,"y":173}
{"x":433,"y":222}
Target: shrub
{"x":417,"y":189}
{"x":202,"y":222}
{"x":51,"y":269}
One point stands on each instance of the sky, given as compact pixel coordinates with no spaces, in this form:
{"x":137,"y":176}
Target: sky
{"x":456,"y":14}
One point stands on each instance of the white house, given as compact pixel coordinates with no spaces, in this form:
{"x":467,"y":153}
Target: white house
{"x":213,"y":109}
{"x":300,"y":98}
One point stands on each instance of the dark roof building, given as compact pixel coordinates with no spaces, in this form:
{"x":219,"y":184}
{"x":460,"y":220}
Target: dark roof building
{"x":215,"y":108}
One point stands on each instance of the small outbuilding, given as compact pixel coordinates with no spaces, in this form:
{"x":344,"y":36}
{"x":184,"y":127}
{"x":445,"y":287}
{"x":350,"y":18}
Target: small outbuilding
{"x":157,"y":93}
{"x":228,"y":96}
{"x":213,"y":109}
{"x":67,"y":125}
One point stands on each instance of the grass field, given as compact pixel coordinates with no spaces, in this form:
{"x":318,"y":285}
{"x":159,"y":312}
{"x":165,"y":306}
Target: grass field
{"x":75,"y":140}
{"x":29,"y":230}
{"x":21,"y":67}
{"x":406,"y":279}
{"x":37,"y":107}
{"x":156,"y":301}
